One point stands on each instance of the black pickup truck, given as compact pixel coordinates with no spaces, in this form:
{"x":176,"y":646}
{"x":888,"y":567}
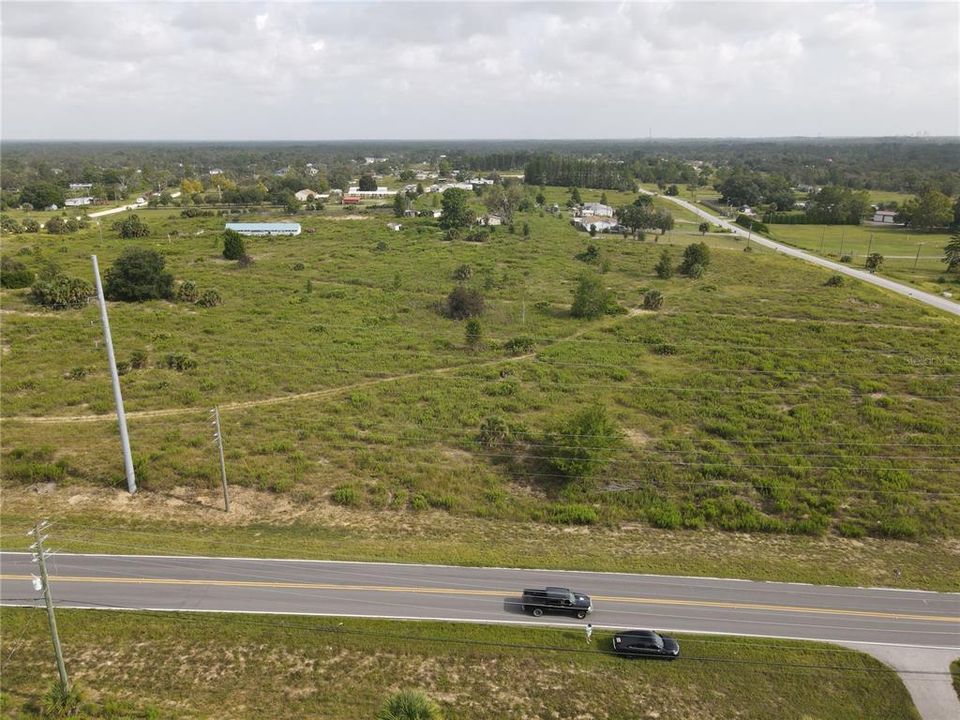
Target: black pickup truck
{"x":556,"y":599}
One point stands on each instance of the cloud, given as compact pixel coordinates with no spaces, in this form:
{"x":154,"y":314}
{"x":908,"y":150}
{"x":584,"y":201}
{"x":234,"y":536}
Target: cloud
{"x":254,"y":70}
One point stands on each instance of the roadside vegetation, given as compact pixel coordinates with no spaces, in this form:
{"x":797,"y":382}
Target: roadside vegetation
{"x":351,"y":668}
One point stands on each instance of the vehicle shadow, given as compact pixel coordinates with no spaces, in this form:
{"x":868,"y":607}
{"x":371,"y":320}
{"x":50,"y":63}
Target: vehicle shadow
{"x":513,"y":605}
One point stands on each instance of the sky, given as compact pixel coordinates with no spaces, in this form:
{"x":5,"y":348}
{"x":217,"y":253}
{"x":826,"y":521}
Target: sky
{"x":399,"y":70}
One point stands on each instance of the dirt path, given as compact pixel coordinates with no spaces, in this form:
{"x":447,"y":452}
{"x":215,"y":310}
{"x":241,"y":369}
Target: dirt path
{"x":314,"y":394}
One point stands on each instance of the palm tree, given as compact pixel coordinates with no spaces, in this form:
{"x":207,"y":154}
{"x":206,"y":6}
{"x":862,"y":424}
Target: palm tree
{"x":410,"y":705}
{"x":952,"y":252}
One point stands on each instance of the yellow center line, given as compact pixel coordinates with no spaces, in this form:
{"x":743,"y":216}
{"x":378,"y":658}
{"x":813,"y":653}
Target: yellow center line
{"x":489,"y":593}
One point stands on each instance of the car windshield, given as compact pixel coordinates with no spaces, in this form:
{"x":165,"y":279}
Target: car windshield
{"x":572,"y":599}
{"x":658,"y":641}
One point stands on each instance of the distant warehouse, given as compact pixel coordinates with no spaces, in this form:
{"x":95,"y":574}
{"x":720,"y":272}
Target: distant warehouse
{"x":284,"y":228}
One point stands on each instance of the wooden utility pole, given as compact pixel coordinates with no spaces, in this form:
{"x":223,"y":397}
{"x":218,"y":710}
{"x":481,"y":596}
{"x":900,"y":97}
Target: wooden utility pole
{"x":218,"y":439}
{"x":40,"y":556}
{"x":917,"y":258}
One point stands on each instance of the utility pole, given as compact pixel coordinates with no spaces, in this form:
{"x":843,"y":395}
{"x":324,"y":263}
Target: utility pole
{"x":823,"y":234}
{"x":40,"y":557}
{"x":870,"y":245}
{"x":117,"y":396}
{"x":843,"y":234}
{"x":218,"y":439}
{"x":917,"y":259}
{"x":749,"y":233}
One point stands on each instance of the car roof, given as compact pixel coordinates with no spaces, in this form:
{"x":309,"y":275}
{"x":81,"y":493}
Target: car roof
{"x":638,"y":633}
{"x":558,"y":589}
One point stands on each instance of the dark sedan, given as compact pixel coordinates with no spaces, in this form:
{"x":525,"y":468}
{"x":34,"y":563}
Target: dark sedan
{"x":645,"y":643}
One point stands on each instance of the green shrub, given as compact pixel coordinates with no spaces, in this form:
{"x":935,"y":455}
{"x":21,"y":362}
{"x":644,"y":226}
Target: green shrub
{"x":664,"y":515}
{"x":592,"y":299}
{"x":62,"y":702}
{"x":209,"y":298}
{"x":519,"y":345}
{"x":652,"y":300}
{"x":138,"y":275}
{"x":179,"y":362}
{"x":851,"y":530}
{"x":463,"y":273}
{"x":234,"y":246}
{"x":138,"y":359}
{"x":904,"y":528}
{"x":697,"y":254}
{"x":664,"y":268}
{"x":131,"y":227}
{"x":187,"y":292}
{"x":61,"y":293}
{"x":419,"y":502}
{"x":573,"y":514}
{"x":463,"y":303}
{"x":346,"y":495}
{"x":14,"y":274}
{"x":834,"y":281}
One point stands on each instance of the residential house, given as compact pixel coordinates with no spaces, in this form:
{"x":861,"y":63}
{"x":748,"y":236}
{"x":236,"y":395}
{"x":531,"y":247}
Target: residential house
{"x":887,"y":217}
{"x":81,"y":186}
{"x":257,"y":228}
{"x":78,"y":201}
{"x":305,"y":195}
{"x":597,"y":210}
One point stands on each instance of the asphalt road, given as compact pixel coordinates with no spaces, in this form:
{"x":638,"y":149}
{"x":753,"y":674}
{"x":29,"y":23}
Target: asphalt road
{"x":941,"y":303}
{"x":911,"y":624}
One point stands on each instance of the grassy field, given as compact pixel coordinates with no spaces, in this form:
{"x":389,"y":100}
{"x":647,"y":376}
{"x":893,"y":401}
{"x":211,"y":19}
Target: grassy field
{"x":243,"y":666}
{"x":899,"y":246}
{"x":757,"y":400}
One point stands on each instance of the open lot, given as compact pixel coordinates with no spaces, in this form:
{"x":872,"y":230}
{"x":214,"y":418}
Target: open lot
{"x":757,"y":399}
{"x":346,"y":668}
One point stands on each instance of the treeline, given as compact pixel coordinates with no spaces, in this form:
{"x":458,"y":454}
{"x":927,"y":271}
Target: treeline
{"x":576,"y":172}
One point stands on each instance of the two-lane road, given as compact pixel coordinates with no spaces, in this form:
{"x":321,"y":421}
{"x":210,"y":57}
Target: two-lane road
{"x":916,"y":623}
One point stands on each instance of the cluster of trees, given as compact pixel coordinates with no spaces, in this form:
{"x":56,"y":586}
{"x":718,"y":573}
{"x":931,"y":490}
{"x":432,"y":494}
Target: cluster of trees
{"x":834,"y":205}
{"x":131,"y":227}
{"x":592,"y":299}
{"x":743,"y":187}
{"x":642,"y":215}
{"x":12,"y":226}
{"x":138,"y":275}
{"x":930,"y":209}
{"x":571,"y":171}
{"x":456,"y":212}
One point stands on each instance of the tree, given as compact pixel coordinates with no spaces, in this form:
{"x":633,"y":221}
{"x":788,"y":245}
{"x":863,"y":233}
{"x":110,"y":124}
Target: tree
{"x":138,"y":275}
{"x":673,"y":191}
{"x":189,"y":186}
{"x":591,"y":299}
{"x":652,"y":300}
{"x":410,"y":705}
{"x":10,"y":226}
{"x":930,"y":209}
{"x":464,"y":302}
{"x":833,"y":205}
{"x":697,"y":254}
{"x":234,"y":246}
{"x":874,"y":262}
{"x":704,"y":228}
{"x":590,"y":255}
{"x":526,"y":229}
{"x":400,"y":204}
{"x":456,"y":213}
{"x":473,"y":334}
{"x":603,"y":198}
{"x":61,"y":292}
{"x":367,"y":183}
{"x":494,"y":432}
{"x":14,"y":274}
{"x":541,"y":198}
{"x":582,"y":444}
{"x":635,"y":218}
{"x":55,"y":225}
{"x":31,"y":226}
{"x":664,"y":268}
{"x":42,"y":194}
{"x":575,"y":198}
{"x":951,"y":253}
{"x":131,"y":227}
{"x":663,"y":221}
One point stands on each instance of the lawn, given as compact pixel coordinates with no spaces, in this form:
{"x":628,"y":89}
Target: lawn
{"x":757,"y":400}
{"x":254,"y":666}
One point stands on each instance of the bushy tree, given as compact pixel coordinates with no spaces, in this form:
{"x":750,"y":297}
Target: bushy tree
{"x":583,"y":443}
{"x":696,"y":254}
{"x":575,"y":198}
{"x":664,"y":267}
{"x":590,"y":255}
{"x":131,"y":227}
{"x":31,"y":226}
{"x":10,"y":226}
{"x":138,"y":275}
{"x":874,"y":262}
{"x":410,"y":705}
{"x":61,"y":292}
{"x":592,"y":299}
{"x":930,"y":209}
{"x":234,"y":246}
{"x":400,"y":204}
{"x":187,"y":292}
{"x":14,"y":274}
{"x":55,"y":225}
{"x":209,"y":298}
{"x":367,"y":183}
{"x":456,"y":212}
{"x":464,"y":302}
{"x":495,"y":432}
{"x":42,"y":194}
{"x":951,"y":253}
{"x":704,"y":228}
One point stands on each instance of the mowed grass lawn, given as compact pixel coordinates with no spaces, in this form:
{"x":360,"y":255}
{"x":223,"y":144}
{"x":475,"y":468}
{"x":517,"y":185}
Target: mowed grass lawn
{"x":168,"y":665}
{"x":757,"y":399}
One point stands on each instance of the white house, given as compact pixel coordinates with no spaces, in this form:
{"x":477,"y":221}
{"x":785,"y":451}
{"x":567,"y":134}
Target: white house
{"x":599,"y":224}
{"x":885,"y":216}
{"x":81,"y":186}
{"x":281,"y":228}
{"x":77,"y":202}
{"x":305,"y":195}
{"x":597,"y":209}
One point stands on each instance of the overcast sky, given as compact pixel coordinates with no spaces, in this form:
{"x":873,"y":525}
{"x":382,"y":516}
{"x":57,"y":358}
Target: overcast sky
{"x":325,"y":71}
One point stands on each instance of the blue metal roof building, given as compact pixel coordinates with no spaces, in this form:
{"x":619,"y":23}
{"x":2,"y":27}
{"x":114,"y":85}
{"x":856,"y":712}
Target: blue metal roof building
{"x":281,"y":228}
